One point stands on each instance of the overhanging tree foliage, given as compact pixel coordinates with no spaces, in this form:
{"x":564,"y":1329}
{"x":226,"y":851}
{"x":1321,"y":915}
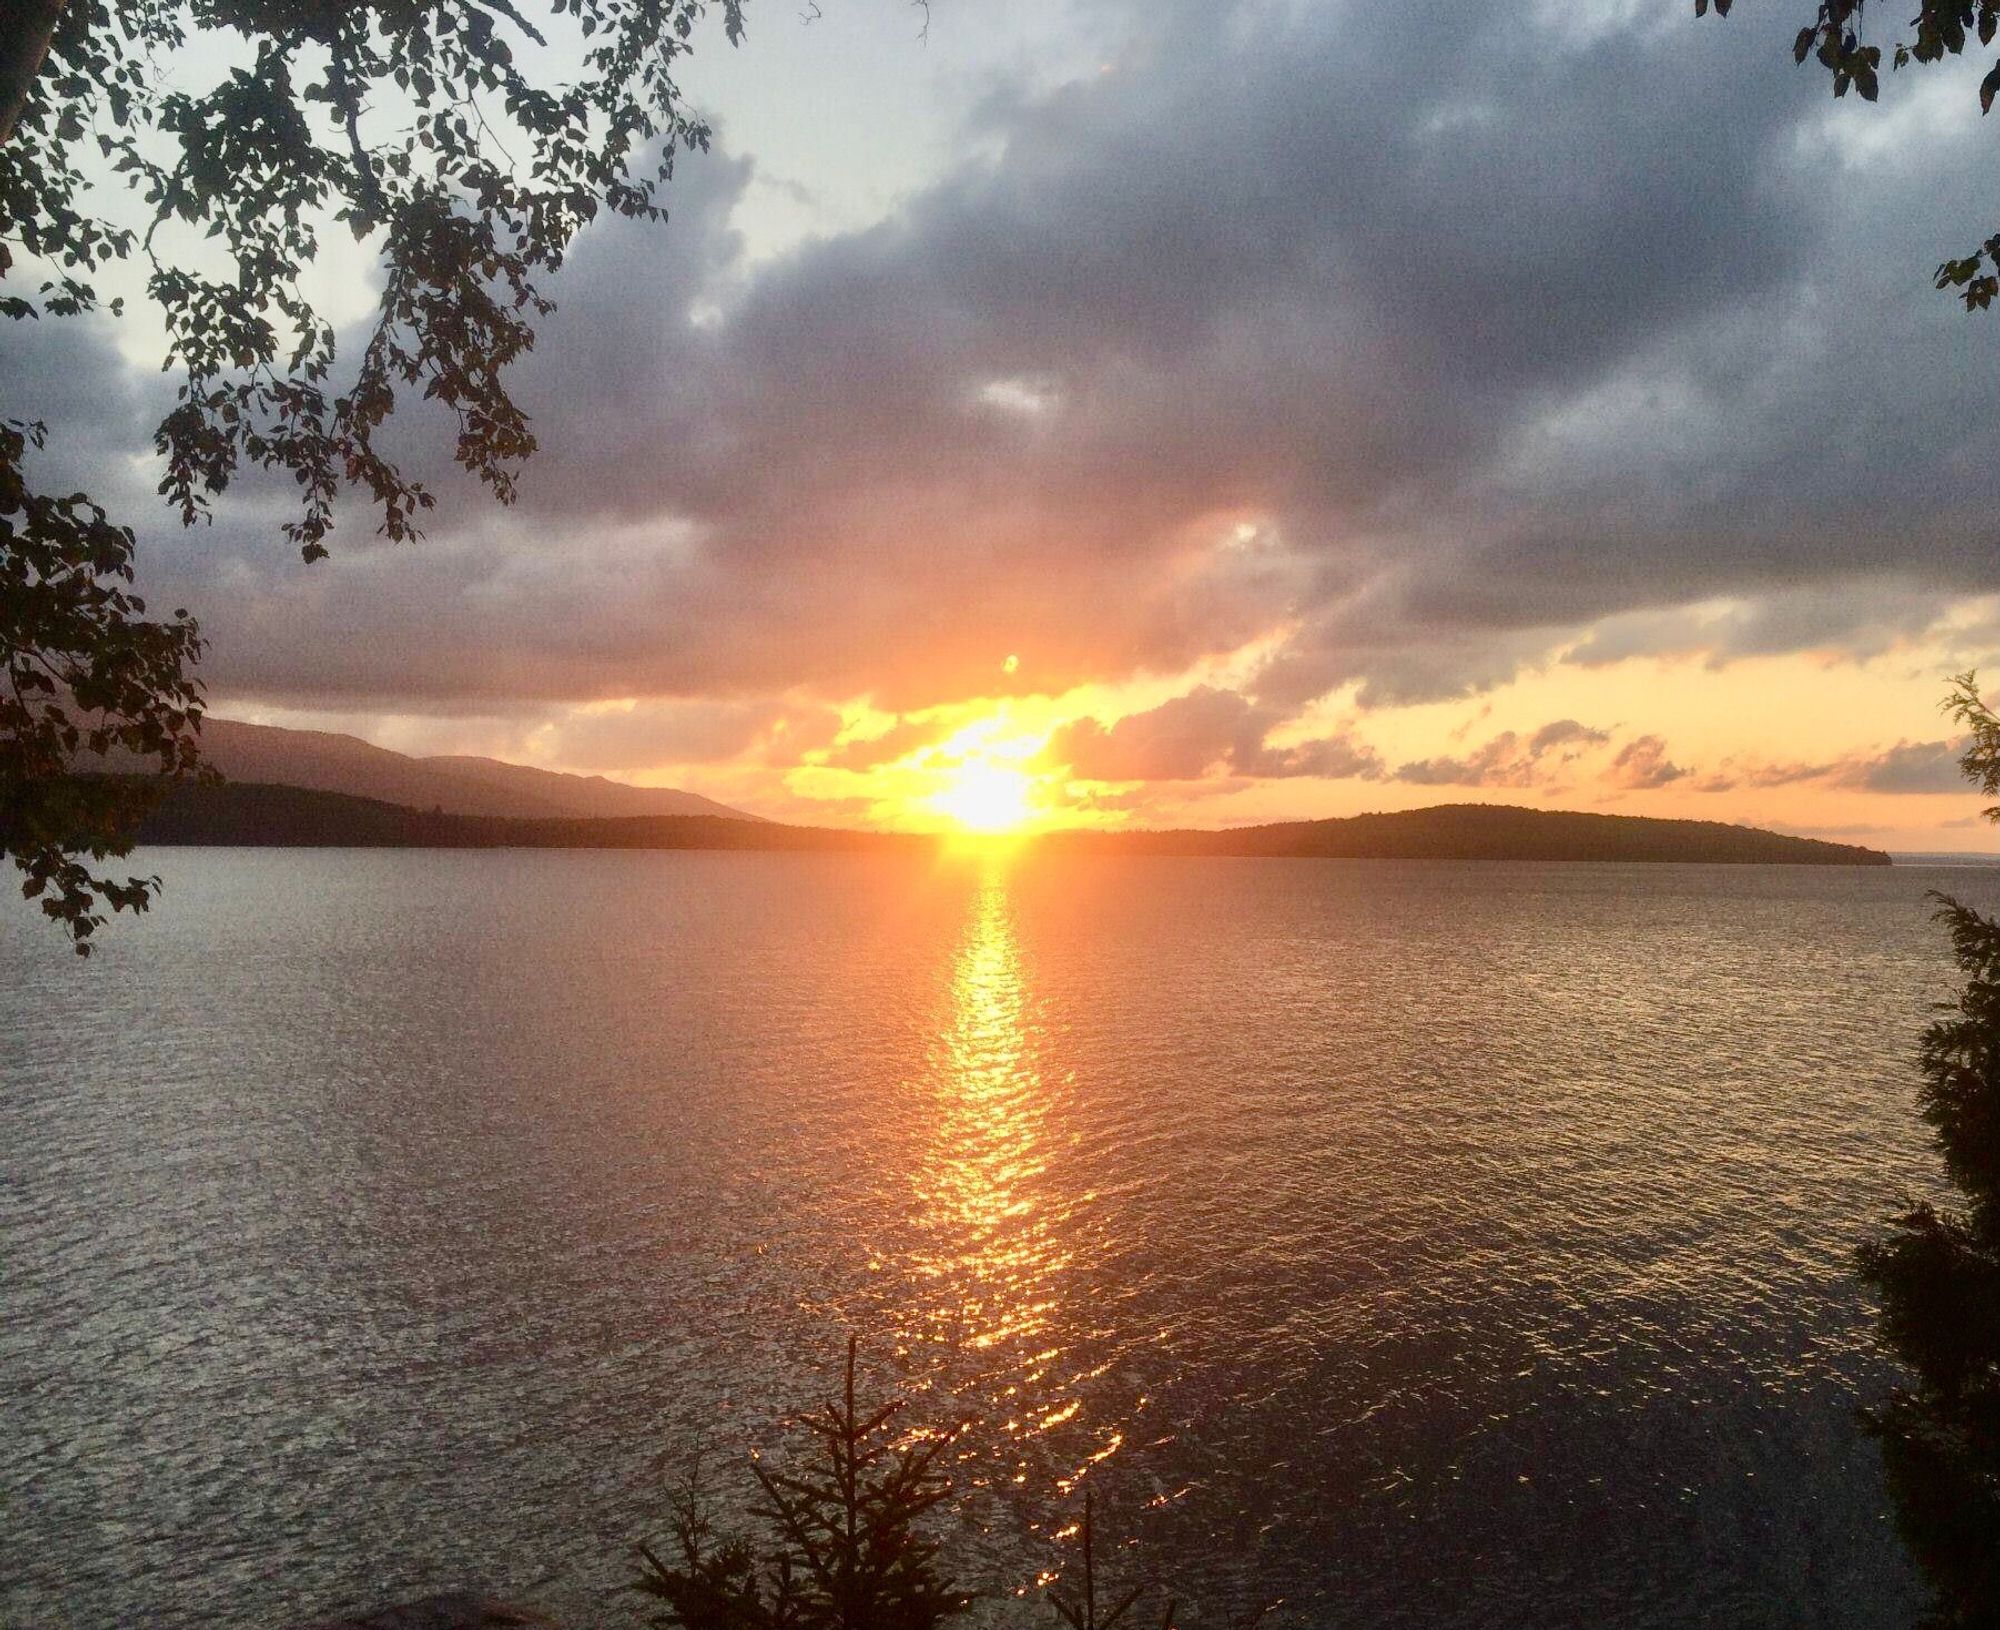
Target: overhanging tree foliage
{"x":455,"y":137}
{"x":85,"y":671}
{"x":1937,"y":1271}
{"x":1837,"y":41}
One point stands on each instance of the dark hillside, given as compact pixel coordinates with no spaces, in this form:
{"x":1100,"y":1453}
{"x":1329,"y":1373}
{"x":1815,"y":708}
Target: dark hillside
{"x":1495,"y":832}
{"x":255,"y":814}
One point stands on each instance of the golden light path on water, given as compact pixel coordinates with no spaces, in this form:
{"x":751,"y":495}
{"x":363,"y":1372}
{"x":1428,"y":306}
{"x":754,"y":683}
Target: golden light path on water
{"x":1442,"y":1263}
{"x":995,"y":1258}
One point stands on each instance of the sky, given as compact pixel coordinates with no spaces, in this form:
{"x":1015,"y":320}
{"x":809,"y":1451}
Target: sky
{"x":1083,"y":411}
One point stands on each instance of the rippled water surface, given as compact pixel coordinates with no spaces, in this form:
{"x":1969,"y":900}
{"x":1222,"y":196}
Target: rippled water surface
{"x":1427,"y":1244}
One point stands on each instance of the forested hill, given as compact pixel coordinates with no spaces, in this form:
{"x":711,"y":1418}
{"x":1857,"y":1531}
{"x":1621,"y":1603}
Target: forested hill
{"x":1493,"y":832}
{"x":456,"y":784}
{"x":253,"y":814}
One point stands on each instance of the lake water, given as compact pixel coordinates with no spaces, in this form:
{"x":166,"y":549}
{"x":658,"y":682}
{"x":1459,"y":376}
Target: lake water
{"x":1428,"y":1244}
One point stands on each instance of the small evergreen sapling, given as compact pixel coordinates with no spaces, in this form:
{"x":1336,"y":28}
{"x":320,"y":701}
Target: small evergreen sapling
{"x":1083,"y":1611}
{"x":847,"y":1546}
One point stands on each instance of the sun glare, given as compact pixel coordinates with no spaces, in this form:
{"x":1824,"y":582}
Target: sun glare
{"x":981,"y":796}
{"x":985,"y":779}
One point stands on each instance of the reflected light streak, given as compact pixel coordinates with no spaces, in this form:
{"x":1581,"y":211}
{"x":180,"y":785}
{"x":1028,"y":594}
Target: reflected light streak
{"x":996,"y":1241}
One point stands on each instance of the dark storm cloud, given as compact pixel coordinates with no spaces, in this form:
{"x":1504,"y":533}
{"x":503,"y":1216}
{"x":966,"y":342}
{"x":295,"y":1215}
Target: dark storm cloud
{"x":1188,"y":737}
{"x":1910,"y":766}
{"x":1431,"y":331}
{"x":693,"y":731}
{"x":1920,"y":767}
{"x":1642,"y":765}
{"x":1565,"y":733}
{"x":1508,"y":759}
{"x":66,"y":374}
{"x":1862,"y":618}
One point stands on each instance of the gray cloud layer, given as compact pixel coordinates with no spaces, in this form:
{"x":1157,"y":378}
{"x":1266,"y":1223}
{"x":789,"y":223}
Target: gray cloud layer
{"x":1508,"y":759}
{"x":1480,"y":328}
{"x":1912,"y":766}
{"x":1207,"y":730}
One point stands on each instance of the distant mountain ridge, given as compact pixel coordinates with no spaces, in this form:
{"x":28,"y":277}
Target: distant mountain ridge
{"x":458,"y":784}
{"x":250,"y":814}
{"x":245,"y":814}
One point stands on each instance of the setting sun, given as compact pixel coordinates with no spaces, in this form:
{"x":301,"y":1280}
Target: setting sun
{"x":983,"y":778}
{"x":982,"y":796}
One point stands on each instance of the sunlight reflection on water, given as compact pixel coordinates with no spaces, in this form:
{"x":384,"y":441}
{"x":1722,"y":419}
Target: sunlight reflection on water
{"x":1437,"y":1246}
{"x":992,"y":1254}
{"x":996,"y":1242}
